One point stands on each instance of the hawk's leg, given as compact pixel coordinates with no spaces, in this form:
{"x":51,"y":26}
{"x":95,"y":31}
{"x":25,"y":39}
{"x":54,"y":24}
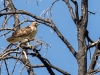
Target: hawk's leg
{"x":28,"y":42}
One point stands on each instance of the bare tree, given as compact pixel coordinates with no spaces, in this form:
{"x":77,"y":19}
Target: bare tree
{"x":20,"y":52}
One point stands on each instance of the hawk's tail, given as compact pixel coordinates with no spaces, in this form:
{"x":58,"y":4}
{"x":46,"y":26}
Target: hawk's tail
{"x":11,"y":40}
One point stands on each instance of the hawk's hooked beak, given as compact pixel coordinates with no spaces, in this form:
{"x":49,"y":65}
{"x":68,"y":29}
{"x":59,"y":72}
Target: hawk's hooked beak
{"x":38,"y":23}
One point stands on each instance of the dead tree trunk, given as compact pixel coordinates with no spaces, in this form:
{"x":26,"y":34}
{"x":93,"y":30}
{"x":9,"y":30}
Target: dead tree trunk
{"x":81,"y":25}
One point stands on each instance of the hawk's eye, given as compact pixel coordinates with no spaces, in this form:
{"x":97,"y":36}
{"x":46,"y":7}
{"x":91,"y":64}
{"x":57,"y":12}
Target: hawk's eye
{"x":36,"y":23}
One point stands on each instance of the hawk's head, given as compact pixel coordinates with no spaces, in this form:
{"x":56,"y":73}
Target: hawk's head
{"x":34,"y":24}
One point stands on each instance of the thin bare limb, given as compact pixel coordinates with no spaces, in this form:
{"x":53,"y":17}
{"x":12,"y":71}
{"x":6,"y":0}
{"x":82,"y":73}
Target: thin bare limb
{"x":14,"y":67}
{"x":26,"y":13}
{"x":53,"y":26}
{"x":84,"y":12}
{"x":3,"y":9}
{"x":6,"y":67}
{"x":5,"y":21}
{"x":48,"y":11}
{"x":41,"y":59}
{"x":93,"y":72}
{"x":44,"y":62}
{"x":92,"y":12}
{"x":52,"y":66}
{"x":11,"y":7}
{"x":76,"y":9}
{"x":71,"y":10}
{"x":2,"y":29}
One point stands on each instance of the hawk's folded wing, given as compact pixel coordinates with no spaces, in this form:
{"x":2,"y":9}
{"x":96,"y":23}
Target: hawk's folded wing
{"x":20,"y":35}
{"x":24,"y":33}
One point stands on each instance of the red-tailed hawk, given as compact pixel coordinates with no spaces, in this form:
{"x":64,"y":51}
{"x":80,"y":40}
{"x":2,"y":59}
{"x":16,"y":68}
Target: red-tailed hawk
{"x":24,"y":34}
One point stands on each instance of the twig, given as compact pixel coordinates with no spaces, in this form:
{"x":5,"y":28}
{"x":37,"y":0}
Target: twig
{"x":26,"y":13}
{"x":23,"y":68}
{"x":6,"y":67}
{"x":3,"y":9}
{"x":92,"y":12}
{"x":49,"y":10}
{"x":53,"y":26}
{"x":14,"y":68}
{"x":76,"y":9}
{"x":70,"y":9}
{"x":52,"y":66}
{"x":5,"y":21}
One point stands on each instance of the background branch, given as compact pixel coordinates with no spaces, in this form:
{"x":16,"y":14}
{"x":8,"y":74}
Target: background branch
{"x":94,"y":58}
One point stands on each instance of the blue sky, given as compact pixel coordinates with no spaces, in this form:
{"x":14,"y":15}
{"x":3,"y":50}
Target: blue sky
{"x":59,"y":55}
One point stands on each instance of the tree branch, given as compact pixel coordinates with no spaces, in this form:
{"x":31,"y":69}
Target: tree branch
{"x":6,"y":67}
{"x":95,"y":57}
{"x":84,"y":12}
{"x":92,"y":12}
{"x":93,"y":72}
{"x":52,"y":66}
{"x":71,"y":10}
{"x":53,"y":26}
{"x":76,"y":9}
{"x":26,"y":13}
{"x":58,"y":69}
{"x":41,"y":58}
{"x":44,"y":62}
{"x":11,"y":7}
